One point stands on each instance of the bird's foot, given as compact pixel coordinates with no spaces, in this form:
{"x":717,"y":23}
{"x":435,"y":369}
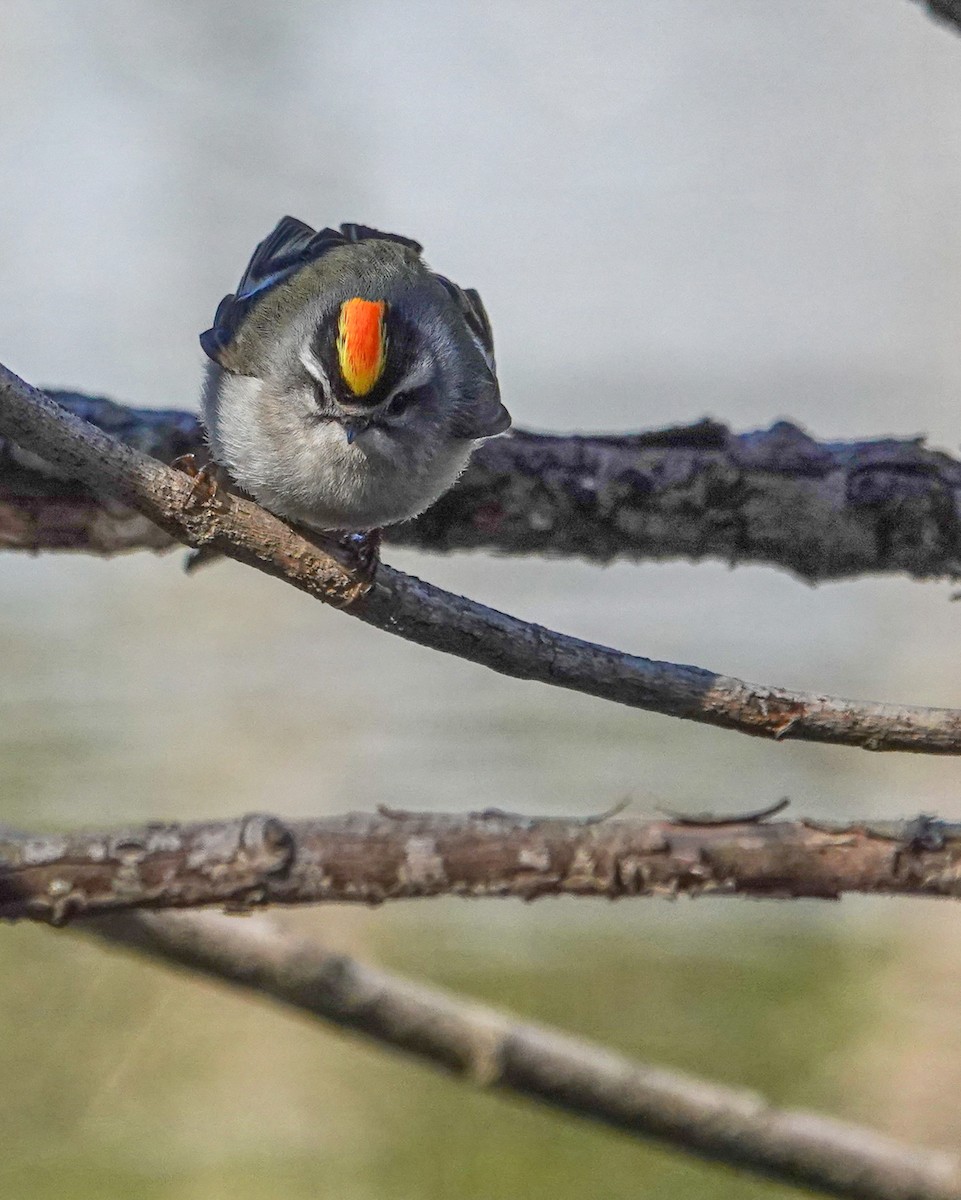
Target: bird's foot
{"x":209,"y":481}
{"x":359,"y":552}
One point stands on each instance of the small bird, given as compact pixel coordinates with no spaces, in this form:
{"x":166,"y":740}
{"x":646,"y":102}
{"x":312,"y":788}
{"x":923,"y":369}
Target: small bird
{"x":348,"y":382}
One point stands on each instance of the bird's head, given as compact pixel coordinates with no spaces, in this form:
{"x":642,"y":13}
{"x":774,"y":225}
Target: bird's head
{"x":399,"y":364}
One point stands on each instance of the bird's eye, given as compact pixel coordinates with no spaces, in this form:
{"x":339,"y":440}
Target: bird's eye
{"x":402,"y":402}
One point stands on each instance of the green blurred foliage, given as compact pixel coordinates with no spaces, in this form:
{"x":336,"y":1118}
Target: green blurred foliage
{"x":125,"y":1079}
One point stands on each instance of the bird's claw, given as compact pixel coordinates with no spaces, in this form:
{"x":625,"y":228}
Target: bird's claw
{"x":207,"y":486}
{"x":208,"y":480}
{"x":360,"y":553}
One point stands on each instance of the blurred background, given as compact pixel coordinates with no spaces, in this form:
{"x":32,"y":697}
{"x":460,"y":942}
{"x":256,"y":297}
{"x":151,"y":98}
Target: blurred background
{"x":672,"y":208}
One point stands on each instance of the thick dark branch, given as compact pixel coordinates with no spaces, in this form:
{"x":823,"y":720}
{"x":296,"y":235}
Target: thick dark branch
{"x":776,"y":497}
{"x":443,"y":621}
{"x":495,"y":1050}
{"x":369,"y":859}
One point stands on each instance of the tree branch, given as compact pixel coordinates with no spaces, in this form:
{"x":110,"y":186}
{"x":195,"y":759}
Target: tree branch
{"x":369,"y":859}
{"x":495,"y":1050}
{"x":440,"y":620}
{"x":774,"y":497}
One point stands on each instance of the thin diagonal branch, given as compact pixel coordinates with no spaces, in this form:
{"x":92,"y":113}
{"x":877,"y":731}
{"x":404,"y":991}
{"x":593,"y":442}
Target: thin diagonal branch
{"x":391,"y":855}
{"x":496,"y":1050}
{"x":443,"y":621}
{"x":821,"y":510}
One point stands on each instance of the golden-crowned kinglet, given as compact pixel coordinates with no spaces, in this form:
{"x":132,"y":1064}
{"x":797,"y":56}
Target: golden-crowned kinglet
{"x":349,"y":383}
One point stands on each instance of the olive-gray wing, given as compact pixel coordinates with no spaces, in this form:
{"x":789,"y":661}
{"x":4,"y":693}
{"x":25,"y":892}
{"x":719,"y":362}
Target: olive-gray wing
{"x":292,"y":244}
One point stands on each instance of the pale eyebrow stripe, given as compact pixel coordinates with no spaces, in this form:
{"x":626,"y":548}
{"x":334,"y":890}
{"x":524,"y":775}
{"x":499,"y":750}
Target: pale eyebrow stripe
{"x":422,"y":373}
{"x":315,"y":369}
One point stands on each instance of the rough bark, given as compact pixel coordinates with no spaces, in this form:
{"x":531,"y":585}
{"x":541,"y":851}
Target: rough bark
{"x":369,"y":859}
{"x":775,"y":497}
{"x":496,"y":1050}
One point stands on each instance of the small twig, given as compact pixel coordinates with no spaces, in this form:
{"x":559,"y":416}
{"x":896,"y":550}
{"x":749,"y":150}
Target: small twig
{"x":496,"y":1050}
{"x":396,"y":855}
{"x":608,"y":814}
{"x":440,"y":620}
{"x":705,"y":818}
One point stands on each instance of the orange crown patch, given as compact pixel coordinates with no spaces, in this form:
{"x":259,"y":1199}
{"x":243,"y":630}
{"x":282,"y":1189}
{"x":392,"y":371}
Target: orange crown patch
{"x":362,"y":343}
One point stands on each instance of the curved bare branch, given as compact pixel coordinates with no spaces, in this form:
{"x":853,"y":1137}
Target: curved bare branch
{"x":498,"y":1051}
{"x":777,"y":497}
{"x":432,"y":617}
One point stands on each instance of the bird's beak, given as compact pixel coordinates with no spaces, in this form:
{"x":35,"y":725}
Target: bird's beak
{"x":352,"y":427}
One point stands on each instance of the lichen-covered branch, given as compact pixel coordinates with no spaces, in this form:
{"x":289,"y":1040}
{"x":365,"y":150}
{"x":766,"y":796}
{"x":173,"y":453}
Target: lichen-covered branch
{"x":776,"y":497}
{"x":496,"y":1050}
{"x":421,"y":613}
{"x":372,"y":858}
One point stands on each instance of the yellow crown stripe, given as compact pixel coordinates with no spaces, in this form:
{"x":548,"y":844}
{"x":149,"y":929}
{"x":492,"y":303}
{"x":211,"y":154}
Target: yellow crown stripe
{"x":362,"y":343}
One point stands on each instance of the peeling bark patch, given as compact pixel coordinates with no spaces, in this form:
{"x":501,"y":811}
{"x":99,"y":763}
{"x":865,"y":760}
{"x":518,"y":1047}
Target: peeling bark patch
{"x":422,"y":868}
{"x":39,"y":851}
{"x":531,"y":859}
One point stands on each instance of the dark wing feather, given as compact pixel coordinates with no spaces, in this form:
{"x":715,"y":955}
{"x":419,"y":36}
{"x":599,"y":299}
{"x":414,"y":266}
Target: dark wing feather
{"x":479,"y":322}
{"x":364,"y":233}
{"x":283,"y":249}
{"x":485,"y":416}
{"x":475,"y":315}
{"x":290,"y":246}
